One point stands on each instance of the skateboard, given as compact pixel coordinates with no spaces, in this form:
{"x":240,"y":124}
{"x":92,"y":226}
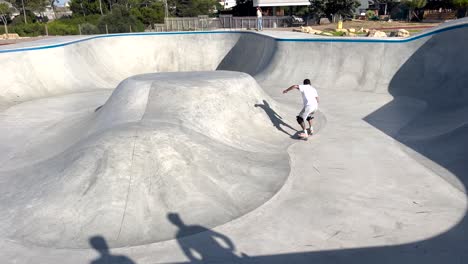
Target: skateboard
{"x":302,"y":137}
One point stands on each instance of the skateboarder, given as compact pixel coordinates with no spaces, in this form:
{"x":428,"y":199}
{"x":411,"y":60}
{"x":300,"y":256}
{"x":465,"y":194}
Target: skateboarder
{"x":310,"y":100}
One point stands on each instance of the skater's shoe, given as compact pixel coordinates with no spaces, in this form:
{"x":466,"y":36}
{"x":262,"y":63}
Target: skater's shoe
{"x":310,"y":130}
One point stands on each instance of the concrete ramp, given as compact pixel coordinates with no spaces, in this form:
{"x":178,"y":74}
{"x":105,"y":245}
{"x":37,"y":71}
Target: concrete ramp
{"x":181,"y":148}
{"x":161,"y":143}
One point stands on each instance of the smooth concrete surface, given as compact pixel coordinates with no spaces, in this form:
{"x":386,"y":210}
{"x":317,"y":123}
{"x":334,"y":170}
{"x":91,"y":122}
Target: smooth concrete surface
{"x":105,"y":161}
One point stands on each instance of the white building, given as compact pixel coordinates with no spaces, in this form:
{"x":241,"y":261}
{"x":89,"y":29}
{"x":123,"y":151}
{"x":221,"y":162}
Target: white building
{"x":48,"y":12}
{"x":263,"y":3}
{"x":228,"y":4}
{"x":364,"y":4}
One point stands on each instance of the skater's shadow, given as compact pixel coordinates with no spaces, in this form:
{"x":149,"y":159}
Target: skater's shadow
{"x":206,"y":246}
{"x":276,"y":119}
{"x":100,"y":245}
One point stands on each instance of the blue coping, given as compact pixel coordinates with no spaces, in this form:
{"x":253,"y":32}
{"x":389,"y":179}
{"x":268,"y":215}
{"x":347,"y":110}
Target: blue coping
{"x":349,"y":40}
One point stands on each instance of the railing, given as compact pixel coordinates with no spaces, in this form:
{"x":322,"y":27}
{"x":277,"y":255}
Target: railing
{"x":440,"y":14}
{"x":223,"y":22}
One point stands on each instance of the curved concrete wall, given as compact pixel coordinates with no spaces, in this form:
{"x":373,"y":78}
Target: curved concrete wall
{"x":104,"y":62}
{"x":425,"y":74}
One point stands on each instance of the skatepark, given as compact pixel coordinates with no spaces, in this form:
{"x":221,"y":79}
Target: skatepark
{"x":181,"y":148}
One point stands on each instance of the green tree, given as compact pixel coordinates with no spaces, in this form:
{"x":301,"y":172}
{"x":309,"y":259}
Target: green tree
{"x":462,"y":4}
{"x":413,"y":5}
{"x":85,"y":7}
{"x":119,"y":20}
{"x":37,"y":6}
{"x":150,"y":14}
{"x":193,"y":8}
{"x":244,"y":8}
{"x":328,"y":8}
{"x":31,"y":6}
{"x":52,"y":4}
{"x":19,"y":4}
{"x":4,"y":14}
{"x":30,"y":17}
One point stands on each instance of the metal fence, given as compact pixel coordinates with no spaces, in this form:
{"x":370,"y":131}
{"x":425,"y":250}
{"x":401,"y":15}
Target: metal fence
{"x":203,"y":23}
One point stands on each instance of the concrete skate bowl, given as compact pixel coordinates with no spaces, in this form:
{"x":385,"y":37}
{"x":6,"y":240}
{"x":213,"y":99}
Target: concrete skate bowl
{"x":428,"y":79}
{"x":200,"y":143}
{"x":275,"y":63}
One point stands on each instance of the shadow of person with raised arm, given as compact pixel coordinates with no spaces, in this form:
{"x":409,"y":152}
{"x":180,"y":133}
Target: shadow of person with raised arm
{"x":100,"y":244}
{"x":275,"y":118}
{"x":205,"y":247}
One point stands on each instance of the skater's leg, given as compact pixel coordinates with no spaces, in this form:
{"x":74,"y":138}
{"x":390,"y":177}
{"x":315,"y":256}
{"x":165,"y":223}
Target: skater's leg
{"x":309,"y":120}
{"x":300,"y":121}
{"x":302,"y":134}
{"x":303,"y":126}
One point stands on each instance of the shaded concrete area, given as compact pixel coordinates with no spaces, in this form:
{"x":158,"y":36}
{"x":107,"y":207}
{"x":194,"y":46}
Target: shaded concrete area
{"x":382,"y":182}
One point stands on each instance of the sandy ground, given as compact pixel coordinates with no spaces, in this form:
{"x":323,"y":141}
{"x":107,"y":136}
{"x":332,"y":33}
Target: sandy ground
{"x":20,"y":40}
{"x":381,"y":25}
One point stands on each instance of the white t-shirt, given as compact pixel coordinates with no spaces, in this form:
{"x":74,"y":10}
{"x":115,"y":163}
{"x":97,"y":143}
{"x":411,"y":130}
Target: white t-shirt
{"x":259,"y":13}
{"x":308,"y":95}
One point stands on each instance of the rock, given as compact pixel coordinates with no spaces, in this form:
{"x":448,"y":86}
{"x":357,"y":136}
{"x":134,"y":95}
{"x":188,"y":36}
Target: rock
{"x":352,"y":34}
{"x":402,"y":33}
{"x":326,"y":34}
{"x":324,"y":21}
{"x":363,"y":30}
{"x":376,"y":34}
{"x":10,"y":36}
{"x":303,"y":29}
{"x":316,"y":32}
{"x":308,"y":30}
{"x":352,"y":30}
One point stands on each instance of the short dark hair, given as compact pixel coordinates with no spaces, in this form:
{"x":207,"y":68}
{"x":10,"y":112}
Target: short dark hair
{"x":306,"y":81}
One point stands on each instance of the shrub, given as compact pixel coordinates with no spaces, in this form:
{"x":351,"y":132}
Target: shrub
{"x":89,"y":29}
{"x":370,"y":14}
{"x":29,"y":30}
{"x":70,"y":25}
{"x":58,"y":28}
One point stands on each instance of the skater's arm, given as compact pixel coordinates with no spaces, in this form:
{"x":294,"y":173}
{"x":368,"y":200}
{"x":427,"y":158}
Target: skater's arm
{"x":290,"y":88}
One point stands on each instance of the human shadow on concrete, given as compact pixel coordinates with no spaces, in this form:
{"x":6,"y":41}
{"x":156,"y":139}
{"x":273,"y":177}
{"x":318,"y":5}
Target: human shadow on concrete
{"x":275,"y":118}
{"x":100,"y":245}
{"x":203,"y":245}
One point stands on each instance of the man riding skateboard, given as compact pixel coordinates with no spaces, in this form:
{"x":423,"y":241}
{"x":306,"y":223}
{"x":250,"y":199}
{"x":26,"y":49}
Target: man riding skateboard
{"x":310,"y":100}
